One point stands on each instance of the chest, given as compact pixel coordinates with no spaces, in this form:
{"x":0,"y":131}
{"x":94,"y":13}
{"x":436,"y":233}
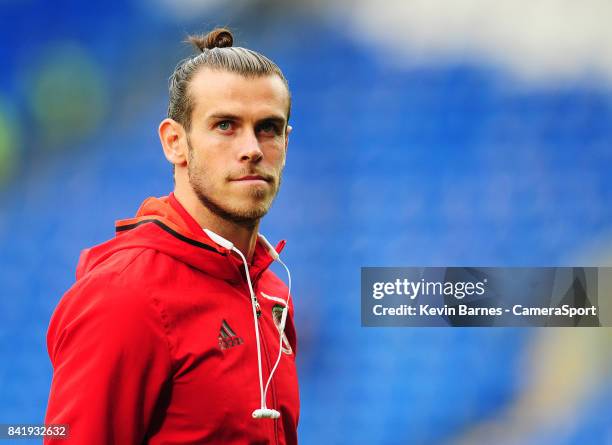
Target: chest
{"x":215,"y":382}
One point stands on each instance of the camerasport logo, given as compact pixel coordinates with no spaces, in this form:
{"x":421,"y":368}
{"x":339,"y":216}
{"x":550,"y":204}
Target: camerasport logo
{"x":227,"y":337}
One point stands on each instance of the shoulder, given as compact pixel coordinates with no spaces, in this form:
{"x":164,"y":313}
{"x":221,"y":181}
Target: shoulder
{"x":122,"y":273}
{"x":112,"y":300}
{"x":133,"y":268}
{"x":125,"y":280}
{"x":272,"y":280}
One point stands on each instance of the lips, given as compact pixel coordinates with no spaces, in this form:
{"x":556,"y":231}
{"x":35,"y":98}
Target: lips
{"x":252,"y":178}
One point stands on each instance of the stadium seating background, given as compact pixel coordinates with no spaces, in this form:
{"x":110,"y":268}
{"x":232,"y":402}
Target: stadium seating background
{"x":446,"y":164}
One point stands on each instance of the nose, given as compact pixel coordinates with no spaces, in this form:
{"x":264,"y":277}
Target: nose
{"x":250,"y":151}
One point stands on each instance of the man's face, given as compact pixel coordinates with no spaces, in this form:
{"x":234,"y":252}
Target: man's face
{"x":237,"y":143}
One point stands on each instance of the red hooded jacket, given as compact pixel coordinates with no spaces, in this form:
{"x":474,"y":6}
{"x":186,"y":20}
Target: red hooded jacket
{"x":155,"y":342}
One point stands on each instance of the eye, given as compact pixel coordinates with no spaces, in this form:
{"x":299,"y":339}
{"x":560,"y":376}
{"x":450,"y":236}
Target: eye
{"x":224,"y":125}
{"x":269,"y":128}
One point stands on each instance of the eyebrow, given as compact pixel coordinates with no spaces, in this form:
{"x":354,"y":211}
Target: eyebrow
{"x":224,"y":116}
{"x":273,"y":118}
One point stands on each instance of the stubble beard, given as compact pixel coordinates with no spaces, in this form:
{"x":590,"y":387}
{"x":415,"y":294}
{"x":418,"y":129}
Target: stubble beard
{"x":243,"y":217}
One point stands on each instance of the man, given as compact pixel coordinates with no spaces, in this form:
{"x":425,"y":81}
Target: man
{"x":176,"y":330}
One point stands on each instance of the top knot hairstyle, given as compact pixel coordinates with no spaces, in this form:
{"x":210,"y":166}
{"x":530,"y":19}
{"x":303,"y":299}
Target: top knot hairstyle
{"x":217,"y":53}
{"x":217,"y":38}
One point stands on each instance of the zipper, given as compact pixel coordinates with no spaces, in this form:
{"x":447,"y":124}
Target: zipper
{"x":257,"y":308}
{"x":248,"y":292}
{"x":273,"y":391}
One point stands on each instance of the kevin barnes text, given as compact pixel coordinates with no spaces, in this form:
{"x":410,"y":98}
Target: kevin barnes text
{"x":463,"y":309}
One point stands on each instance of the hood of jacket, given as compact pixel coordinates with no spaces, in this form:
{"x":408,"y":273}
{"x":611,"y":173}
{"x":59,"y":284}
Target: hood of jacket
{"x":164,"y":225}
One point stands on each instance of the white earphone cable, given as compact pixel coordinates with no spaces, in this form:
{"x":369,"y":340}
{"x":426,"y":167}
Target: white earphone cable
{"x":246,"y":270}
{"x":263,"y":412}
{"x":281,"y":328}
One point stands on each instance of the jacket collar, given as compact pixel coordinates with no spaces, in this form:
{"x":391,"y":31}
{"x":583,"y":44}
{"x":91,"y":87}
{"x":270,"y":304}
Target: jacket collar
{"x":165,"y":225}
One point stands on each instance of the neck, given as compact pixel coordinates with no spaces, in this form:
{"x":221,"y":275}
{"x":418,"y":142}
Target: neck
{"x":243,"y":237}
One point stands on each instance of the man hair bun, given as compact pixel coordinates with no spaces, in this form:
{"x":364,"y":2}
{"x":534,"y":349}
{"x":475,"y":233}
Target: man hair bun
{"x":217,"y":38}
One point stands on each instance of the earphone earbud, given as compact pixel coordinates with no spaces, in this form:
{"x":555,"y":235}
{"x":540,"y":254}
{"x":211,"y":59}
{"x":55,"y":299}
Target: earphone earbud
{"x":271,"y":250}
{"x":265,"y":413}
{"x":219,"y":239}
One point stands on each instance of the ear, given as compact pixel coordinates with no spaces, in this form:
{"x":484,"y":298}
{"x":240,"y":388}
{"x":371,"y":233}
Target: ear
{"x":174,"y":141}
{"x":287,"y":132}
